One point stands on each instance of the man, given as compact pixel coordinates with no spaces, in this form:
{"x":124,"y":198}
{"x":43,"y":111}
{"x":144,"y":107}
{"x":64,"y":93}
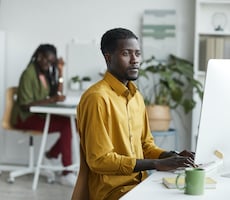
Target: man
{"x":114,"y":131}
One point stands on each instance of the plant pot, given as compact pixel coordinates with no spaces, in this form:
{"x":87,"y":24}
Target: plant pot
{"x":75,"y":85}
{"x":159,"y":117}
{"x":86,"y":84}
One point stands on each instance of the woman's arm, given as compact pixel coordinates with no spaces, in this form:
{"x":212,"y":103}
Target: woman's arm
{"x":60,"y":65}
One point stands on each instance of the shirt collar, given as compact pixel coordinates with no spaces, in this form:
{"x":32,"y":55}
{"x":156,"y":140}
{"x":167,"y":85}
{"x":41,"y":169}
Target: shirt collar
{"x":119,"y":87}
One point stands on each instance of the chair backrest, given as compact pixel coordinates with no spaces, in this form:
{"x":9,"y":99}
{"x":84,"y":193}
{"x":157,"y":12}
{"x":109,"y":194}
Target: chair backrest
{"x":81,"y":190}
{"x":9,"y":102}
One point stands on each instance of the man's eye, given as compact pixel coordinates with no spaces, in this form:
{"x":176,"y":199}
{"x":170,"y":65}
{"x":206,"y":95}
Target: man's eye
{"x":138,"y":54}
{"x":125,"y":53}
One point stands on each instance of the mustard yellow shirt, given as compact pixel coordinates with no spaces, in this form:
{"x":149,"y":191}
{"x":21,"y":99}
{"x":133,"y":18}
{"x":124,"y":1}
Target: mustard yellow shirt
{"x":114,"y":132}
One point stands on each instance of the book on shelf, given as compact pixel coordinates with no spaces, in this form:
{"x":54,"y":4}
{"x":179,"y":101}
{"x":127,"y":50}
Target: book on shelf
{"x":202,"y":54}
{"x":219,"y":48}
{"x":211,"y":47}
{"x":170,"y":182}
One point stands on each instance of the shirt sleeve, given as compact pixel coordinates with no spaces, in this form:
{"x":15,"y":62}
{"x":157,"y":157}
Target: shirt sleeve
{"x":30,"y":89}
{"x":96,"y":143}
{"x":150,"y":149}
{"x":25,"y":90}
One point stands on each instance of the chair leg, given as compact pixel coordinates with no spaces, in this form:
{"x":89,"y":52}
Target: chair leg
{"x":9,"y":168}
{"x":25,"y":170}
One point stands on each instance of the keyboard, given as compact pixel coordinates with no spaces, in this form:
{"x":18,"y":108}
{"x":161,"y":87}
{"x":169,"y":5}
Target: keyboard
{"x":210,"y":166}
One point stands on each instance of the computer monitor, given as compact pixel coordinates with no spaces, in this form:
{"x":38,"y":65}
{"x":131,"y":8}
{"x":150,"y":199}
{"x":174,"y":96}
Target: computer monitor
{"x":214,"y":127}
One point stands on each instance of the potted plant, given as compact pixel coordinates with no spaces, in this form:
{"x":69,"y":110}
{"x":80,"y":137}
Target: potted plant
{"x":85,"y":82}
{"x":171,"y":87}
{"x":75,"y":83}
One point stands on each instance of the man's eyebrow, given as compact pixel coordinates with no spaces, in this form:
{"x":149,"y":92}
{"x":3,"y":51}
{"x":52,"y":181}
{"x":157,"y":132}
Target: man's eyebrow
{"x":127,"y":49}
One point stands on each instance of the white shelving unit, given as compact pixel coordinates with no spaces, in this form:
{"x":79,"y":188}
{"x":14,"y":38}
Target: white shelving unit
{"x":212,"y":40}
{"x":2,"y":87}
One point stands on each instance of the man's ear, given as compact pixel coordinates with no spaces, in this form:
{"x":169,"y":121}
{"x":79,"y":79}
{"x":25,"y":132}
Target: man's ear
{"x":107,"y":58}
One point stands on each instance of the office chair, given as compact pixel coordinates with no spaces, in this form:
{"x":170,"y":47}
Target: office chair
{"x":16,"y":171}
{"x":81,"y":190}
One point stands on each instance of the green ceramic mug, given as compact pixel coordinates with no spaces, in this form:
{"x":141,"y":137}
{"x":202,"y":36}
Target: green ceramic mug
{"x":194,"y":181}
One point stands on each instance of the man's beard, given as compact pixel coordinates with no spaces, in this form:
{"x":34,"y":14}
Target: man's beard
{"x":131,"y":78}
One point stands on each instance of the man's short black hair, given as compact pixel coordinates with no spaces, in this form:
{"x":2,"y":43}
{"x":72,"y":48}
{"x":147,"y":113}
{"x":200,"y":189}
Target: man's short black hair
{"x":110,"y":38}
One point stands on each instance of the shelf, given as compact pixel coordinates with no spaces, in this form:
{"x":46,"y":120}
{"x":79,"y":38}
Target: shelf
{"x":213,"y":2}
{"x":214,"y":33}
{"x":212,"y":40}
{"x":201,"y":73}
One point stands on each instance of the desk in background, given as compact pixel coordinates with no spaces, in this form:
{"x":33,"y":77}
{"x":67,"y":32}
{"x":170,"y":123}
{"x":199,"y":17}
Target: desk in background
{"x":58,"y":109}
{"x":152,"y":188}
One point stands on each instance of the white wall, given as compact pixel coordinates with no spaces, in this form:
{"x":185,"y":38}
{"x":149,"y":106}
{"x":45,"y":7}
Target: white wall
{"x":28,"y":23}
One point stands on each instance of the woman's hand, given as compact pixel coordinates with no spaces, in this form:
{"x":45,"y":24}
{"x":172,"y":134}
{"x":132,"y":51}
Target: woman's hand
{"x":60,"y":65}
{"x":57,"y":98}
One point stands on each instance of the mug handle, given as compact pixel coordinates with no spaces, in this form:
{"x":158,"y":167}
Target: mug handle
{"x":177,"y":182}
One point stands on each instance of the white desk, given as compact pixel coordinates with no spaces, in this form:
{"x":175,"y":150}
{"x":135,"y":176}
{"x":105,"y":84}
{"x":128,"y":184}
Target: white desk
{"x":58,"y":110}
{"x":152,"y":188}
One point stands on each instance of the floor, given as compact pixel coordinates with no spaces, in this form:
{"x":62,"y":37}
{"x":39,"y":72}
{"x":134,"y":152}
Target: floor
{"x":21,"y":189}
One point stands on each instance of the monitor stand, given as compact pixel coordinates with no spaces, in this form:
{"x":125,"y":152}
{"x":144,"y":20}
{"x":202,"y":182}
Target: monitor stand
{"x":226,"y":175}
{"x":212,"y":166}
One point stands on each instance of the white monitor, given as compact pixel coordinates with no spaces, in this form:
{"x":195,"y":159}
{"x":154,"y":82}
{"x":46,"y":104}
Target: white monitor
{"x":214,"y":127}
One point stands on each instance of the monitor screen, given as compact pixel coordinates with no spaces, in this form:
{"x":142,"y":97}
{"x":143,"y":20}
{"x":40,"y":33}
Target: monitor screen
{"x":214,"y":126}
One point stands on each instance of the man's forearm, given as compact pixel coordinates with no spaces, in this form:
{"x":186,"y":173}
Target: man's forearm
{"x":149,"y":164}
{"x":145,"y":164}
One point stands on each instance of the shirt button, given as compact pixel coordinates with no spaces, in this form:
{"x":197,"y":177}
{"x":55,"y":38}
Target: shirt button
{"x":126,"y":93}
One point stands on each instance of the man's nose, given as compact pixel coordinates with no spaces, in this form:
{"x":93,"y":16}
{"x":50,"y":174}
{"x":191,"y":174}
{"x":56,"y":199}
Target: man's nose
{"x":135,"y":58}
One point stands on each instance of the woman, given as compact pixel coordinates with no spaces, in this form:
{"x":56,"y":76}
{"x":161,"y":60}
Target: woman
{"x":42,"y":83}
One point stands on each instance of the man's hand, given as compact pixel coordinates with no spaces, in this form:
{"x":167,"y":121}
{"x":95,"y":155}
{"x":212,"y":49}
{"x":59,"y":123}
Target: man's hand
{"x":171,"y":160}
{"x":168,"y":160}
{"x":174,"y":162}
{"x":184,"y":153}
{"x":187,"y":154}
